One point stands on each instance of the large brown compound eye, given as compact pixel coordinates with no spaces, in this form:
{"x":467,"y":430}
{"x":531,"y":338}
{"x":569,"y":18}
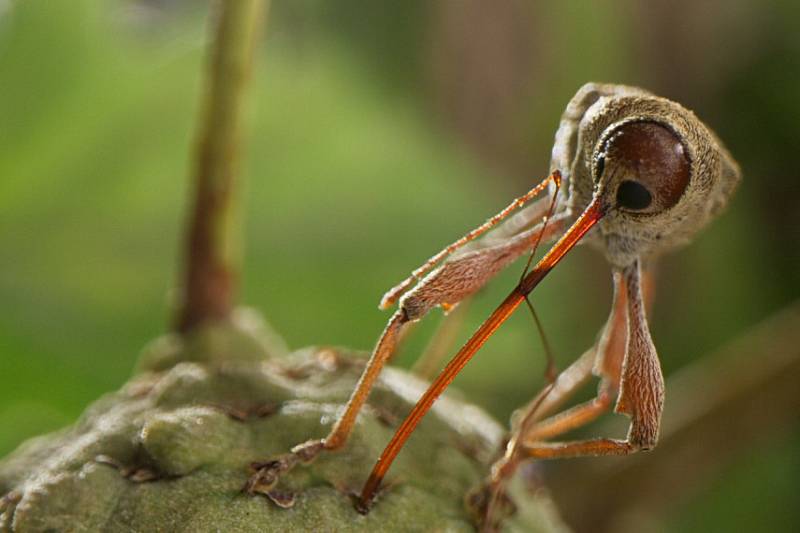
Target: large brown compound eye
{"x":652,"y":163}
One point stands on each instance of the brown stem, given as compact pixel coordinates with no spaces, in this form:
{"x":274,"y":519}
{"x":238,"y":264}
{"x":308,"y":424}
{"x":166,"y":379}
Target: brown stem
{"x":212,"y":252}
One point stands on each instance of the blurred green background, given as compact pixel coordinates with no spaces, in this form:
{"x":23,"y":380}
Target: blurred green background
{"x":378,"y":133}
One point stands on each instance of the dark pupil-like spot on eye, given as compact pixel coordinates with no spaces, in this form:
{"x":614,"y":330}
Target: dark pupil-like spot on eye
{"x":655,"y":160}
{"x":633,"y":195}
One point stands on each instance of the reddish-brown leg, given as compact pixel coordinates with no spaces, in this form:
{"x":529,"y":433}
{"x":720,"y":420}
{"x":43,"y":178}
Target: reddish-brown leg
{"x":604,"y":359}
{"x":433,"y":293}
{"x":633,"y":371}
{"x":438,"y":288}
{"x":641,"y":386}
{"x":528,"y":426}
{"x":385,"y":348}
{"x":585,"y":221}
{"x":641,"y":394}
{"x":266,"y":474}
{"x":583,"y":448}
{"x":567,"y":420}
{"x":391,"y":297}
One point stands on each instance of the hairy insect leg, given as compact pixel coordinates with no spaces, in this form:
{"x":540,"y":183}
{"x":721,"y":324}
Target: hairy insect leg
{"x":451,"y":285}
{"x":641,"y":394}
{"x":637,"y":377}
{"x":439,"y":290}
{"x":569,"y":419}
{"x":593,"y":213}
{"x":605,"y":358}
{"x":531,"y":214}
{"x":582,"y":448}
{"x":628,"y":366}
{"x":266,"y":474}
{"x":384,"y":349}
{"x":455,"y":280}
{"x":523,"y":219}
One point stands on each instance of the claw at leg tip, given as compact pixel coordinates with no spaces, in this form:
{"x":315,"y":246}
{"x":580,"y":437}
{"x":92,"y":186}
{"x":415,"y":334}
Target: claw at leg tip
{"x":363,"y":506}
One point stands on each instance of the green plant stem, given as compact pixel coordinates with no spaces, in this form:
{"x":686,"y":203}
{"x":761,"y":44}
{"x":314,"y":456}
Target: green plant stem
{"x":212,"y":253}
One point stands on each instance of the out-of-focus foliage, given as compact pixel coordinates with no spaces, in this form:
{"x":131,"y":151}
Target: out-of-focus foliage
{"x":379,"y":133}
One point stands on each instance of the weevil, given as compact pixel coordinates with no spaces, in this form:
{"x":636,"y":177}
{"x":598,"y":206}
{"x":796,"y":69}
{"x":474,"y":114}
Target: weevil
{"x":632,"y":175}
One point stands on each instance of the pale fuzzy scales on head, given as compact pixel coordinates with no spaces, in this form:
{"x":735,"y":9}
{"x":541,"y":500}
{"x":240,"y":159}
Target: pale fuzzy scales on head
{"x":596,"y":110}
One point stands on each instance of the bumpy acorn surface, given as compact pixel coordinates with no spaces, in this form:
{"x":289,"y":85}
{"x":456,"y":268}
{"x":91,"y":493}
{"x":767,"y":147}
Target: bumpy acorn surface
{"x":172,"y":449}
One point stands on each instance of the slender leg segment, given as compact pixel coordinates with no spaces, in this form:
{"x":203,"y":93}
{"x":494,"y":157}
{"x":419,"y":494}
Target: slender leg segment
{"x":435,"y":352}
{"x":583,"y":448}
{"x":528,"y":428}
{"x":266,"y":474}
{"x":391,"y":297}
{"x":568,"y":420}
{"x":593,"y":213}
{"x":385,"y":348}
{"x":446,"y":286}
{"x":641,"y":395}
{"x":604,"y":359}
{"x":438,"y":289}
{"x":610,"y":348}
{"x":644,"y":407}
{"x":624,"y":358}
